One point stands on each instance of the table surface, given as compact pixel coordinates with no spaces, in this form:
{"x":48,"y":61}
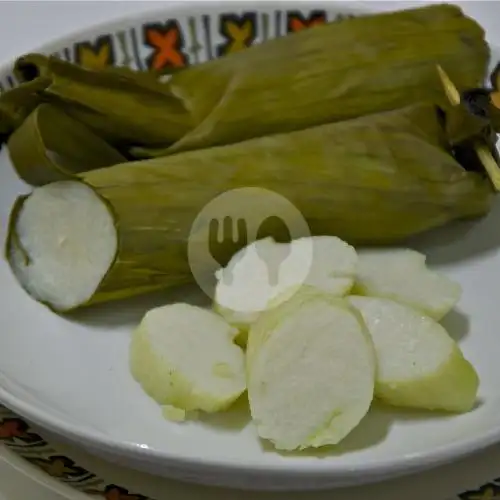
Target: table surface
{"x":26,"y":24}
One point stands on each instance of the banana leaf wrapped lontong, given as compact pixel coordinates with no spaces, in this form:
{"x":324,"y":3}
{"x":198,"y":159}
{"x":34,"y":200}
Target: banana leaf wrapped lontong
{"x":332,"y":73}
{"x":325,"y":74}
{"x":123,"y":230}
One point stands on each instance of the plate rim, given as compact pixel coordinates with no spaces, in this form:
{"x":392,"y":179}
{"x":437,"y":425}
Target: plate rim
{"x":78,"y":433}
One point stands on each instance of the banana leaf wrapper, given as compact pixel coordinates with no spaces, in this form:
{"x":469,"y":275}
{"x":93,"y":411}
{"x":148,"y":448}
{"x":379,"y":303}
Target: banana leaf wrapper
{"x":377,"y":179}
{"x":120,"y":105}
{"x":328,"y":73}
{"x":51,"y":146}
{"x":332,"y":73}
{"x":16,"y":104}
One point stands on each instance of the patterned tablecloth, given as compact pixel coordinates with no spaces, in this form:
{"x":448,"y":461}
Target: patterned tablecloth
{"x":471,"y":476}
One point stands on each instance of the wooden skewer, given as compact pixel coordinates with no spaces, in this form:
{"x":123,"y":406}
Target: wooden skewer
{"x":489,"y":163}
{"x":451,"y":91}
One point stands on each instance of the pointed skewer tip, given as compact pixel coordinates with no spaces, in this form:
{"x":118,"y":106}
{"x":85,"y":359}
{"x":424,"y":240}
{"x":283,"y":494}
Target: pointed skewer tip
{"x":450,"y":89}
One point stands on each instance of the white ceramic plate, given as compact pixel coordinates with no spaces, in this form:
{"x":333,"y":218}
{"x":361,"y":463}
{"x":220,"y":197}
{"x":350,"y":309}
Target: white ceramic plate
{"x":71,"y":376}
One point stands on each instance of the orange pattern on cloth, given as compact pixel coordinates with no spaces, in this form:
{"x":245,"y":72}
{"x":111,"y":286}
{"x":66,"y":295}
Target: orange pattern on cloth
{"x":298,"y":22}
{"x":167,"y":43}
